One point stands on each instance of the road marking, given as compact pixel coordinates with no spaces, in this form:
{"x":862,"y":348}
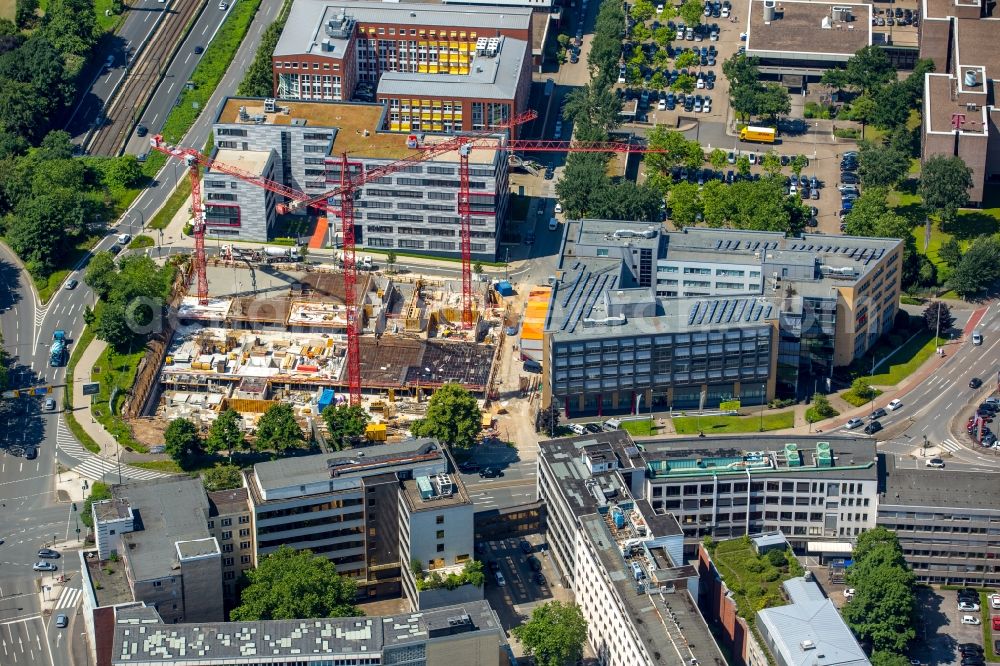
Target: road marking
{"x":69,"y":598}
{"x":171,"y":87}
{"x":94,"y":467}
{"x":147,"y":18}
{"x":188,"y":58}
{"x":951,"y":445}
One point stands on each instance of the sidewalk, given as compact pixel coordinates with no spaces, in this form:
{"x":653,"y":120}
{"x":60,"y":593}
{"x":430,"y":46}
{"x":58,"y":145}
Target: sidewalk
{"x":81,"y":402}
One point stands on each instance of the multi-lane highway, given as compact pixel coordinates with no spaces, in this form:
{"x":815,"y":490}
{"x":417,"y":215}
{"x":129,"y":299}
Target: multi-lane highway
{"x":143,"y":16}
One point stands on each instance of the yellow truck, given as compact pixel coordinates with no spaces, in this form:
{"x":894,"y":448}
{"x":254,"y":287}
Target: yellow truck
{"x":760,"y":134}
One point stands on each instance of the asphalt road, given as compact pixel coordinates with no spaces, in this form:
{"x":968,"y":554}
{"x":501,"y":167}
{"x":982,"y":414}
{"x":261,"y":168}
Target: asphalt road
{"x":142,"y":19}
{"x":179,"y":71}
{"x":939,"y":407}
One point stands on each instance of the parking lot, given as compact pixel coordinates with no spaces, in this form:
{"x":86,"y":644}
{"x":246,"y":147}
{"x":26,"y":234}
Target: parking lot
{"x":940,"y":629}
{"x":523,"y":588}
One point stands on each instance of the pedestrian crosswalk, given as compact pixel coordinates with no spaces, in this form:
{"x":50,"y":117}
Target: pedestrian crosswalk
{"x":94,"y":467}
{"x":951,"y":445}
{"x":69,"y":598}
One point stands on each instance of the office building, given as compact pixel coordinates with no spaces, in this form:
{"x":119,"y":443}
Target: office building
{"x":302,"y":144}
{"x":157,"y":533}
{"x":230,"y":522}
{"x":469,"y":634}
{"x":803,"y":38}
{"x":643,"y":319}
{"x":945,"y":523}
{"x":442,"y":68}
{"x":623,"y":561}
{"x":374,"y":512}
{"x":960,"y":115}
{"x":819,"y":492}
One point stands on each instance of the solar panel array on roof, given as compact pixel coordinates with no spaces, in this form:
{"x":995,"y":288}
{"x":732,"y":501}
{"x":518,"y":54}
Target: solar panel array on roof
{"x":742,"y":307}
{"x":694,"y":312}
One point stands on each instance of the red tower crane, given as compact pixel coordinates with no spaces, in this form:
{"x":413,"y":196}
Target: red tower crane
{"x":352,"y":176}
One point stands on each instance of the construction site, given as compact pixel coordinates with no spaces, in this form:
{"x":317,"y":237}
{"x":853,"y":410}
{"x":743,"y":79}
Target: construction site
{"x":278,"y":333}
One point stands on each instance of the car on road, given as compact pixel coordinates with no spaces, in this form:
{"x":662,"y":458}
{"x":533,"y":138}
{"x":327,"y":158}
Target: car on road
{"x":894,"y":405}
{"x":44,"y":566}
{"x":854,"y":423}
{"x":468,"y":467}
{"x":968,"y":606}
{"x":971,"y":619}
{"x":50,"y":405}
{"x":877,"y":414}
{"x":48,"y":553}
{"x":198,"y":50}
{"x":61,"y":621}
{"x":71,"y":284}
{"x":935,"y":462}
{"x":873,"y":427}
{"x":975,"y":383}
{"x":140,"y":130}
{"x":223,"y":6}
{"x":31,"y":452}
{"x":490,"y":473}
{"x":525,"y":547}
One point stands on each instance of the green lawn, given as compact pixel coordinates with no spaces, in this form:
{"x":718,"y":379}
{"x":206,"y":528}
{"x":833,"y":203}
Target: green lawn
{"x":171,"y":206}
{"x":168,"y":466}
{"x":856,"y":400}
{"x":49,"y":285}
{"x":692,"y":425}
{"x":7,"y":9}
{"x":642,"y":428}
{"x":903,"y":363}
{"x":754,"y":581}
{"x":114,"y":369}
{"x":79,"y":345}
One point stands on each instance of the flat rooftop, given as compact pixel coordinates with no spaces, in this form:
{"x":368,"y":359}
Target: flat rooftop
{"x":423,"y":493}
{"x":226,"y":502}
{"x":937,"y":489}
{"x":167,"y":511}
{"x":669,"y":625}
{"x":494,"y":77}
{"x":138,"y":640}
{"x":253,"y":161}
{"x":692,"y":458}
{"x":941,"y":103}
{"x":291,"y":474}
{"x":798,"y":28}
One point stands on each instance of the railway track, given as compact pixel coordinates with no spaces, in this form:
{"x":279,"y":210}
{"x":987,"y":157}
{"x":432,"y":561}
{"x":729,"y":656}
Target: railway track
{"x":140,"y":82}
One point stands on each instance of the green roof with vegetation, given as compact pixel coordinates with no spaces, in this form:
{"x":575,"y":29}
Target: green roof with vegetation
{"x":755,"y":580}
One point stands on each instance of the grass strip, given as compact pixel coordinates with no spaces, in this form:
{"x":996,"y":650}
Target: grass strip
{"x":79,"y":345}
{"x":115,"y":369}
{"x":692,"y":425}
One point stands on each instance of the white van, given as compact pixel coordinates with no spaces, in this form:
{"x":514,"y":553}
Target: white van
{"x":977,"y":336}
{"x":553,"y":224}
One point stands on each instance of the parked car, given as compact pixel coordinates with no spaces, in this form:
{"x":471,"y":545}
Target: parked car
{"x":593,"y":428}
{"x":968,"y":607}
{"x":539,"y":578}
{"x":534,"y":564}
{"x":971,"y":619}
{"x":498,"y":575}
{"x":994,"y":603}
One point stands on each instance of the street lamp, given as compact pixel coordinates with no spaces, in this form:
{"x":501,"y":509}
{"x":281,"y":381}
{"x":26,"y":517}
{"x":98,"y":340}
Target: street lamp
{"x":763,"y":399}
{"x":76,"y":518}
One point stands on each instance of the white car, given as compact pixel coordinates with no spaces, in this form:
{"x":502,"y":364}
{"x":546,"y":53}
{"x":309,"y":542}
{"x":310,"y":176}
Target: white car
{"x":223,"y":6}
{"x":971,"y":619}
{"x":938,"y":464}
{"x":700,"y":83}
{"x":725,"y":12}
{"x":558,"y":207}
{"x":849,"y":593}
{"x":659,"y":9}
{"x":661,"y":105}
{"x":967,"y":607}
{"x":577,"y":428}
{"x":707,"y":107}
{"x":854,"y":423}
{"x":894,"y":405}
{"x":44,"y":566}
{"x":995,"y":601}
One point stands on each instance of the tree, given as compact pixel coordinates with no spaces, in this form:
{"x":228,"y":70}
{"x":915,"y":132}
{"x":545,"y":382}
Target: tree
{"x":881,"y":166}
{"x":555,"y":634}
{"x":345,"y":422}
{"x":944,"y":185}
{"x":950,"y":252}
{"x":881,"y":611}
{"x":24,"y":14}
{"x":658,"y":81}
{"x":717,"y":158}
{"x":663,"y":36}
{"x":685,"y":203}
{"x":772,"y":100}
{"x":691,"y":11}
{"x":121,"y":173}
{"x":741,"y":70}
{"x":222,"y":477}
{"x":70,"y":26}
{"x":595,"y":105}
{"x":295,"y":584}
{"x":685,"y":60}
{"x":113,"y":327}
{"x":685,"y":83}
{"x":836,"y":78}
{"x":886,"y":658}
{"x":892,"y":105}
{"x":390,"y":259}
{"x":870,"y":68}
{"x":821,"y":409}
{"x":225,"y":433}
{"x":453,"y":416}
{"x":862,"y":389}
{"x":799,"y":163}
{"x":938,"y":317}
{"x":278,"y":429}
{"x":258,"y":80}
{"x":870,"y":539}
{"x":547,"y":419}
{"x":743,"y":165}
{"x":477,"y":268}
{"x":101,"y":273}
{"x":585,"y":175}
{"x":181,"y":441}
{"x":641,"y":11}
{"x":863,"y":109}
{"x":627,"y":201}
{"x":770,"y":163}
{"x":979,"y":269}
